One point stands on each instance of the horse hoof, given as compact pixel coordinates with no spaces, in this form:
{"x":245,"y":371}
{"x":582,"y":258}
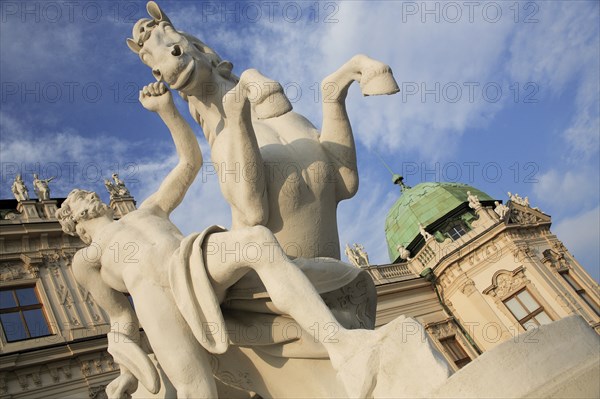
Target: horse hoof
{"x":378,"y":82}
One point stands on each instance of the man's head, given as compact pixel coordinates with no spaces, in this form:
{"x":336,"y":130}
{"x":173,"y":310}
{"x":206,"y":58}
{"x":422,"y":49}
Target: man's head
{"x":80,"y":206}
{"x":179,"y":59}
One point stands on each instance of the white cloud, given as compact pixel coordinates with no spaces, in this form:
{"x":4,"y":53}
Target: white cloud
{"x":559,"y":53}
{"x":29,"y":48}
{"x":583,"y":136}
{"x":567,"y":191}
{"x":420,"y":54}
{"x":581,"y":235}
{"x":83,"y":162}
{"x":76,"y":160}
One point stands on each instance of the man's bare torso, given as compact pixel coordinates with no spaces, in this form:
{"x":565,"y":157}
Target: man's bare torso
{"x":147,"y":254}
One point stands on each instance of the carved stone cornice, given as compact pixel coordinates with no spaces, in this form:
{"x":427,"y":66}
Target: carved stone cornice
{"x":505,"y":282}
{"x":441,"y":329}
{"x":98,"y":392}
{"x":13,"y":271}
{"x":468,"y":288}
{"x":526,"y":216}
{"x":32,"y":264}
{"x":555,"y":260}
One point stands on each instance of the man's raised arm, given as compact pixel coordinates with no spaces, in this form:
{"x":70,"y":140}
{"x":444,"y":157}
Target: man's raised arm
{"x":157,"y":98}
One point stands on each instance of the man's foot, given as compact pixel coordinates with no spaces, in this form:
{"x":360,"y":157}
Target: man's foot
{"x":387,"y":362}
{"x":356,"y":360}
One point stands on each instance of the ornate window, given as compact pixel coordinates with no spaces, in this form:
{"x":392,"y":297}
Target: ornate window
{"x":451,"y":343}
{"x":527,"y":310}
{"x":22,"y":314}
{"x":456,"y":231}
{"x":580,"y":291}
{"x":455,"y":350}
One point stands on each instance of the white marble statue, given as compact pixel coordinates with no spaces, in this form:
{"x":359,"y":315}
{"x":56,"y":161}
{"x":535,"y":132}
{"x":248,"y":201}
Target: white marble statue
{"x":40,"y":186}
{"x":290,"y":177}
{"x":119,"y":186}
{"x":424,"y":233}
{"x":516,"y":198}
{"x":19,"y":189}
{"x":473,"y":201}
{"x":299,"y":174}
{"x":177,"y":286}
{"x":501,"y":210}
{"x":292,"y":180}
{"x":112,"y":190}
{"x":352,"y":256}
{"x":403,"y":252}
{"x":357,"y":255}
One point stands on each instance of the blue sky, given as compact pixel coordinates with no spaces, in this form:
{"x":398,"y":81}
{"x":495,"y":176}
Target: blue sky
{"x":500,"y":95}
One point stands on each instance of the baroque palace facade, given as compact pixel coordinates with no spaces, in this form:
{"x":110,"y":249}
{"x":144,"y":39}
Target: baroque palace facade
{"x":475,"y":272}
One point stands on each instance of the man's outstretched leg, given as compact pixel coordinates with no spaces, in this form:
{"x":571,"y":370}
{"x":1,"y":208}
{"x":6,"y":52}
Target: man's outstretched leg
{"x":230,"y":255}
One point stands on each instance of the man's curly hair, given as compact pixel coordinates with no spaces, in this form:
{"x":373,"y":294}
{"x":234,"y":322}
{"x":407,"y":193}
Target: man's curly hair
{"x":70,"y":222}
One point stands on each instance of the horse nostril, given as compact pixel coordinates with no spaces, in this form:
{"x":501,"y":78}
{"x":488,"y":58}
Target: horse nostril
{"x":176,"y":50}
{"x":156,"y":73}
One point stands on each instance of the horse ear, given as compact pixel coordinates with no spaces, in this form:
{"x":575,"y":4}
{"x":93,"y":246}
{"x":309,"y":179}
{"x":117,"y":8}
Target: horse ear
{"x":133,"y":46}
{"x":156,"y":13}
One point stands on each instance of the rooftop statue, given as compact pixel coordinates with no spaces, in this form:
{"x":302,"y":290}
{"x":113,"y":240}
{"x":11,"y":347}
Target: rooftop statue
{"x":424,"y":233}
{"x":40,"y":186}
{"x":516,"y":198}
{"x":110,"y":187}
{"x":116,"y":189}
{"x":120,"y":187}
{"x":501,"y":210}
{"x":403,"y":253}
{"x":19,"y":189}
{"x":473,"y":201}
{"x":357,"y":255}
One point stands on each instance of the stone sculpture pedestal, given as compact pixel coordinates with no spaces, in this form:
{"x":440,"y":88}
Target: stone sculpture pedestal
{"x":547,"y":363}
{"x":558,"y":360}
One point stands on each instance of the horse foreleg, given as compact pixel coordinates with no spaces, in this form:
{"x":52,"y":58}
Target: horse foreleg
{"x":236,"y":147}
{"x":375,"y":78}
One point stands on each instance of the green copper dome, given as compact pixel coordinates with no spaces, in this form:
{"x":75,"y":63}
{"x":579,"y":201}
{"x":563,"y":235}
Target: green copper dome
{"x":426,"y":203}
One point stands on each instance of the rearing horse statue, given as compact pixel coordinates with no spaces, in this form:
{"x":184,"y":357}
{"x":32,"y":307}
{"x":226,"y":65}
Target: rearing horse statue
{"x":287,"y":176}
{"x":276,"y":170}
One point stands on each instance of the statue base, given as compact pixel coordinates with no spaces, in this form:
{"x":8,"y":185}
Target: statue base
{"x":558,"y":360}
{"x":548,"y":362}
